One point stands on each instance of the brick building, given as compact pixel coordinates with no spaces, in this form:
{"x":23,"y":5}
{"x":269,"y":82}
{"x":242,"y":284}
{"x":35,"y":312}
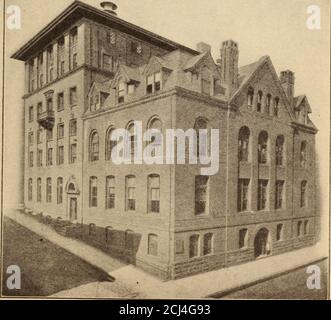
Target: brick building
{"x":89,"y":72}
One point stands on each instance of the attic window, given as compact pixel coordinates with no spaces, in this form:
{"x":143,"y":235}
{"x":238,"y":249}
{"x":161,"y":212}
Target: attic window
{"x":153,"y":83}
{"x":121,"y":92}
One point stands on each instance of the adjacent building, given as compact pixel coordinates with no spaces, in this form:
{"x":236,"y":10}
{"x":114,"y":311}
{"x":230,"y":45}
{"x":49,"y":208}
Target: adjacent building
{"x":89,"y":72}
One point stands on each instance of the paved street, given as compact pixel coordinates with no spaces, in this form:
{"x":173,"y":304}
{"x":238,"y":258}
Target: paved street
{"x":45,"y":267}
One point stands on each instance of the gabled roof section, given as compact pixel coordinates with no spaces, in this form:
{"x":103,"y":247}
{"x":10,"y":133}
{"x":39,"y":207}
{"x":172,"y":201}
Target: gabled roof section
{"x":103,"y":86}
{"x":246,"y":74}
{"x":164,"y":63}
{"x":78,"y":10}
{"x":129,"y":74}
{"x":299,"y":100}
{"x":194,"y":61}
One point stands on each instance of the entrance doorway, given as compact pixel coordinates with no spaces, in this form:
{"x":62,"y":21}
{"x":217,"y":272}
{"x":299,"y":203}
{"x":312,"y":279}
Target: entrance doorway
{"x":262,"y":245}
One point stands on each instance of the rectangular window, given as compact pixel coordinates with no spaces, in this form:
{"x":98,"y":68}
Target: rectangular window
{"x":60,"y":155}
{"x":30,"y":138}
{"x":243,"y":235}
{"x":49,"y":190}
{"x":49,"y":134}
{"x":73,"y":153}
{"x":93,"y":192}
{"x":60,"y":101}
{"x":243,"y":189}
{"x":40,"y":158}
{"x":31,"y":159}
{"x":279,"y":194}
{"x":30,"y":113}
{"x":74,"y":61}
{"x":30,"y":190}
{"x":194,"y":246}
{"x":201,"y":195}
{"x":299,"y":229}
{"x":207,"y":244}
{"x":154,"y":193}
{"x":39,"y":136}
{"x":39,"y":190}
{"x":49,"y":104}
{"x":73,"y":128}
{"x":60,"y":190}
{"x":153,"y":83}
{"x":73,"y":96}
{"x":130,"y":193}
{"x":60,"y":131}
{"x":49,"y":157}
{"x":262,"y":195}
{"x":279,"y":232}
{"x":205,"y":86}
{"x":303,"y":194}
{"x":39,"y":109}
{"x":121,"y":92}
{"x":110,"y":192}
{"x":306,"y":227}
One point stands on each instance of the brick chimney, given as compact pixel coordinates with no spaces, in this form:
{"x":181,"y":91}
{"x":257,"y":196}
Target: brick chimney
{"x":287,"y":81}
{"x":229,"y":65}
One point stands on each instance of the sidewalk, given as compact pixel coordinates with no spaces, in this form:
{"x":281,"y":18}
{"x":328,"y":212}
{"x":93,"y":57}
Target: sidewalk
{"x":132,"y":282}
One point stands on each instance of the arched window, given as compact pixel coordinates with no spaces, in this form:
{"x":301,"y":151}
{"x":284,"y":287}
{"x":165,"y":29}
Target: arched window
{"x":39,"y":190}
{"x":60,"y":190}
{"x":263,"y":147}
{"x":250,"y":96}
{"x":280,"y":150}
{"x":259,"y":101}
{"x":303,"y":194}
{"x":202,"y":144}
{"x":93,"y":192}
{"x":110,"y":192}
{"x":109,"y":144}
{"x":152,"y":244}
{"x":207,"y":243}
{"x":154,"y":193}
{"x":130,"y":193}
{"x":205,"y":81}
{"x":279,"y":232}
{"x":71,"y":187}
{"x":243,"y":144}
{"x":30,"y":190}
{"x":194,"y":245}
{"x":132,"y":139}
{"x":303,"y":154}
{"x":268,"y":103}
{"x":49,"y":190}
{"x":94,"y":146}
{"x":155,"y":139}
{"x":276,"y":107}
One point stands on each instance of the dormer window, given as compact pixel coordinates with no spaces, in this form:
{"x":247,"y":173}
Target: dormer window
{"x":131,"y":88}
{"x":205,"y":81}
{"x":121,"y":92}
{"x":153,"y":83}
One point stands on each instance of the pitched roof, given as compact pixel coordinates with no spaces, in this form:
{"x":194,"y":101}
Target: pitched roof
{"x":191,"y":63}
{"x":103,"y":86}
{"x":78,"y":10}
{"x":297,"y":101}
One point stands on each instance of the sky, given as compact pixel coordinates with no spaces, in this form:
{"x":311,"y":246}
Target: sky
{"x":261,"y":27}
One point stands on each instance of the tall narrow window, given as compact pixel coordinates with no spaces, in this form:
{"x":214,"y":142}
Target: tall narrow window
{"x":73,"y":128}
{"x":40,"y":158}
{"x":279,"y":232}
{"x":39,"y":109}
{"x":110,"y":192}
{"x":243,"y":237}
{"x":279,"y":201}
{"x":154,"y":193}
{"x":39,"y":190}
{"x":60,"y":155}
{"x":306,"y":227}
{"x":30,"y":190}
{"x":110,"y":144}
{"x":154,"y":138}
{"x":262,"y":195}
{"x":268,"y":103}
{"x":280,"y":150}
{"x":93,"y":192}
{"x":243,"y":144}
{"x":49,"y":104}
{"x":73,"y":153}
{"x":60,"y":101}
{"x":276,"y":107}
{"x":263,"y":147}
{"x":30,"y":138}
{"x":205,"y":81}
{"x":59,"y":190}
{"x":132,"y":139}
{"x":73,"y":96}
{"x":49,"y":134}
{"x":207,"y":243}
{"x":243,"y":191}
{"x":31,"y":159}
{"x":202,"y":149}
{"x":30,"y":113}
{"x":49,"y":157}
{"x":152,"y":244}
{"x":194,"y":246}
{"x":303,"y":194}
{"x":153,"y":82}
{"x":121,"y":92}
{"x":299,"y":228}
{"x":303,"y":154}
{"x":60,"y":131}
{"x":107,"y":62}
{"x":94,"y":146}
{"x":259,"y":101}
{"x":250,"y":96}
{"x":201,"y":194}
{"x":49,"y":190}
{"x":130,"y":193}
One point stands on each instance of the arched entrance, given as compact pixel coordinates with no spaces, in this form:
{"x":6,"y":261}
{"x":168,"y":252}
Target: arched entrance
{"x":262,"y":245}
{"x":72,"y":199}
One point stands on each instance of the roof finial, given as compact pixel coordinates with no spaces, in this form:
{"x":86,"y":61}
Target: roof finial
{"x":109,"y":7}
